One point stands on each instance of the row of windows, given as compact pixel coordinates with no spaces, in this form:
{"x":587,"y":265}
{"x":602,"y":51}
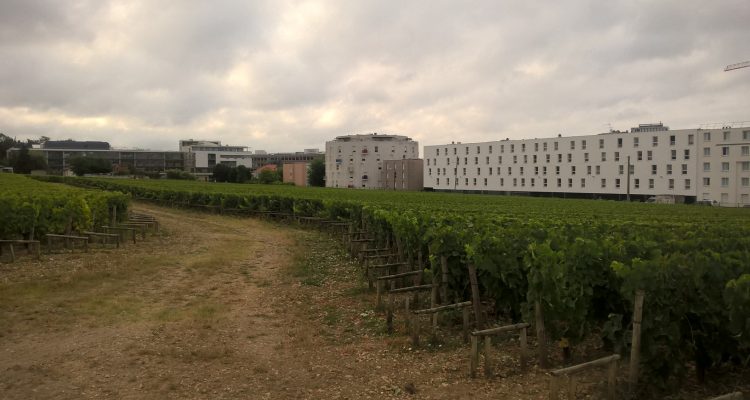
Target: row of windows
{"x":744,"y":182}
{"x":583,"y":143}
{"x":597,"y":168}
{"x":744,"y":166}
{"x":745,"y":151}
{"x":603,"y":182}
{"x":568,"y":158}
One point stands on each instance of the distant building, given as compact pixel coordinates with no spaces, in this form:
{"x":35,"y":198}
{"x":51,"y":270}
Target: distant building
{"x":261,"y":158}
{"x":203,"y":155}
{"x":402,"y":174}
{"x":356,"y":161}
{"x":651,"y":163}
{"x":296,"y":172}
{"x":57,"y":154}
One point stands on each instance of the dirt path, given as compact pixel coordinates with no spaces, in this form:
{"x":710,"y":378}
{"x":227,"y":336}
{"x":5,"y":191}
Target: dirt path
{"x":220,"y":307}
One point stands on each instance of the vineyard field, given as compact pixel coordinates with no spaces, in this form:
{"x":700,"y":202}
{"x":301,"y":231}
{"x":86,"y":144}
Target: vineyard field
{"x":30,"y":208}
{"x":583,"y":260}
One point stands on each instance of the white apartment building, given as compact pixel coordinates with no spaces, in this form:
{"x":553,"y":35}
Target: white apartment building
{"x":356,"y":161}
{"x":697,"y":164}
{"x":205,"y":154}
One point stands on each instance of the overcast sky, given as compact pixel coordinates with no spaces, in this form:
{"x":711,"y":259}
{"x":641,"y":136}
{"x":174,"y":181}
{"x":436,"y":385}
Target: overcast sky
{"x":286,"y":75}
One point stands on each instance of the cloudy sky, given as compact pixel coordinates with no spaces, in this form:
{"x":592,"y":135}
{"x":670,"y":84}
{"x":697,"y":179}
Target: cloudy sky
{"x":286,"y":75}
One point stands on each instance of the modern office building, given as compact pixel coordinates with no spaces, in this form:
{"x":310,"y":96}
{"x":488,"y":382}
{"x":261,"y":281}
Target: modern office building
{"x":203,"y":155}
{"x":356,"y":161}
{"x":404,"y":174}
{"x":261,"y":158}
{"x":711,"y":164}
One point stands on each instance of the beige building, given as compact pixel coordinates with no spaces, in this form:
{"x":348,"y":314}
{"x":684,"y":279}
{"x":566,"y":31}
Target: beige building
{"x":296,"y":172}
{"x":402,"y":174}
{"x":709,"y":164}
{"x":356,"y":161}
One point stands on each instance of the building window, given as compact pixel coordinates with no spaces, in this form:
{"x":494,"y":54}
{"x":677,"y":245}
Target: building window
{"x":684,"y":169}
{"x":706,"y":152}
{"x":671,"y":184}
{"x":559,"y":158}
{"x":570,"y":182}
{"x":485,"y":181}
{"x":725,"y":151}
{"x":745,"y":182}
{"x":706,"y":136}
{"x":479,"y":149}
{"x":724,"y":182}
{"x":598,"y":170}
{"x":515,"y":182}
{"x":512,"y":148}
{"x":490,"y":150}
{"x":745,"y":166}
{"x":437,"y":181}
{"x":706,"y":167}
{"x":573,"y":170}
{"x":649,"y":155}
{"x":534,"y":158}
{"x":639,"y":155}
{"x":691,"y":139}
{"x":429,"y":171}
{"x":448,"y":161}
{"x":498,"y":171}
{"x":556,"y":147}
{"x":673,"y":154}
{"x":635,"y":142}
{"x":510,"y":170}
{"x":687,"y":154}
{"x":545,"y":182}
{"x":533,"y":181}
{"x":726,"y":136}
{"x":437,"y":152}
{"x":672,"y":140}
{"x":447,"y":181}
{"x":466,"y":181}
{"x":502,"y":182}
{"x":604,"y":156}
{"x":604,"y":183}
{"x":570,"y":157}
{"x":476,"y":160}
{"x":687,"y":184}
{"x":479,"y":171}
{"x":521,"y":170}
{"x":650,"y":183}
{"x":583,"y":145}
{"x":523,"y":182}
{"x":547,"y":157}
{"x":745,"y":135}
{"x":525,"y":158}
{"x":621,"y":169}
{"x":502,"y":148}
{"x":536,"y":170}
{"x":464,"y":171}
{"x":455,"y":151}
{"x":523,"y":147}
{"x":601,"y":143}
{"x":583,"y":182}
{"x":617,"y":183}
{"x":706,"y":181}
{"x":572,"y":144}
{"x":619,"y":143}
{"x":653,"y":169}
{"x":725,"y":167}
{"x":499,"y":159}
{"x":544,"y":148}
{"x":487,"y":160}
{"x":490,"y":169}
{"x":559,"y":182}
{"x":536,"y":148}
{"x":617,"y":156}
{"x":745,"y":150}
{"x":586,"y":157}
{"x":669,"y":169}
{"x":588,"y":170}
{"x":636,"y":183}
{"x":557,"y":170}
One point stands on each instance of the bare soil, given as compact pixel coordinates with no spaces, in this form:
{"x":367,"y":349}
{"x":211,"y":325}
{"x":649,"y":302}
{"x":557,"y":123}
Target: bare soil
{"x":224,"y":307}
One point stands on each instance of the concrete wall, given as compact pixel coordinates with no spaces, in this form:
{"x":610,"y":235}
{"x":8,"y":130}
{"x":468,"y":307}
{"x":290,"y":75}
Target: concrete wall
{"x":296,"y":173}
{"x":402,"y":174}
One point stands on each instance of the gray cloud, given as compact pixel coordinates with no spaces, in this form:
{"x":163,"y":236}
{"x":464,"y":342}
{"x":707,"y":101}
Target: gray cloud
{"x":287,"y":75}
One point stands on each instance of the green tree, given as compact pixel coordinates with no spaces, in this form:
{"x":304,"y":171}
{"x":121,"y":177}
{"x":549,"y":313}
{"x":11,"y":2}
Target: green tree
{"x":89,"y":165}
{"x":6,"y":143}
{"x":179,"y":174}
{"x":316,"y":174}
{"x":269,"y":176}
{"x":221,"y":173}
{"x":24,"y":161}
{"x":243,"y":174}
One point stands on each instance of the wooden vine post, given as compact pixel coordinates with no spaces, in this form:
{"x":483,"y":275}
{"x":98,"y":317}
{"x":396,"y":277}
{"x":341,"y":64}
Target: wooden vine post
{"x":540,"y":334}
{"x":478,"y":316}
{"x":635,"y":350}
{"x":444,"y":281}
{"x":113,"y":217}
